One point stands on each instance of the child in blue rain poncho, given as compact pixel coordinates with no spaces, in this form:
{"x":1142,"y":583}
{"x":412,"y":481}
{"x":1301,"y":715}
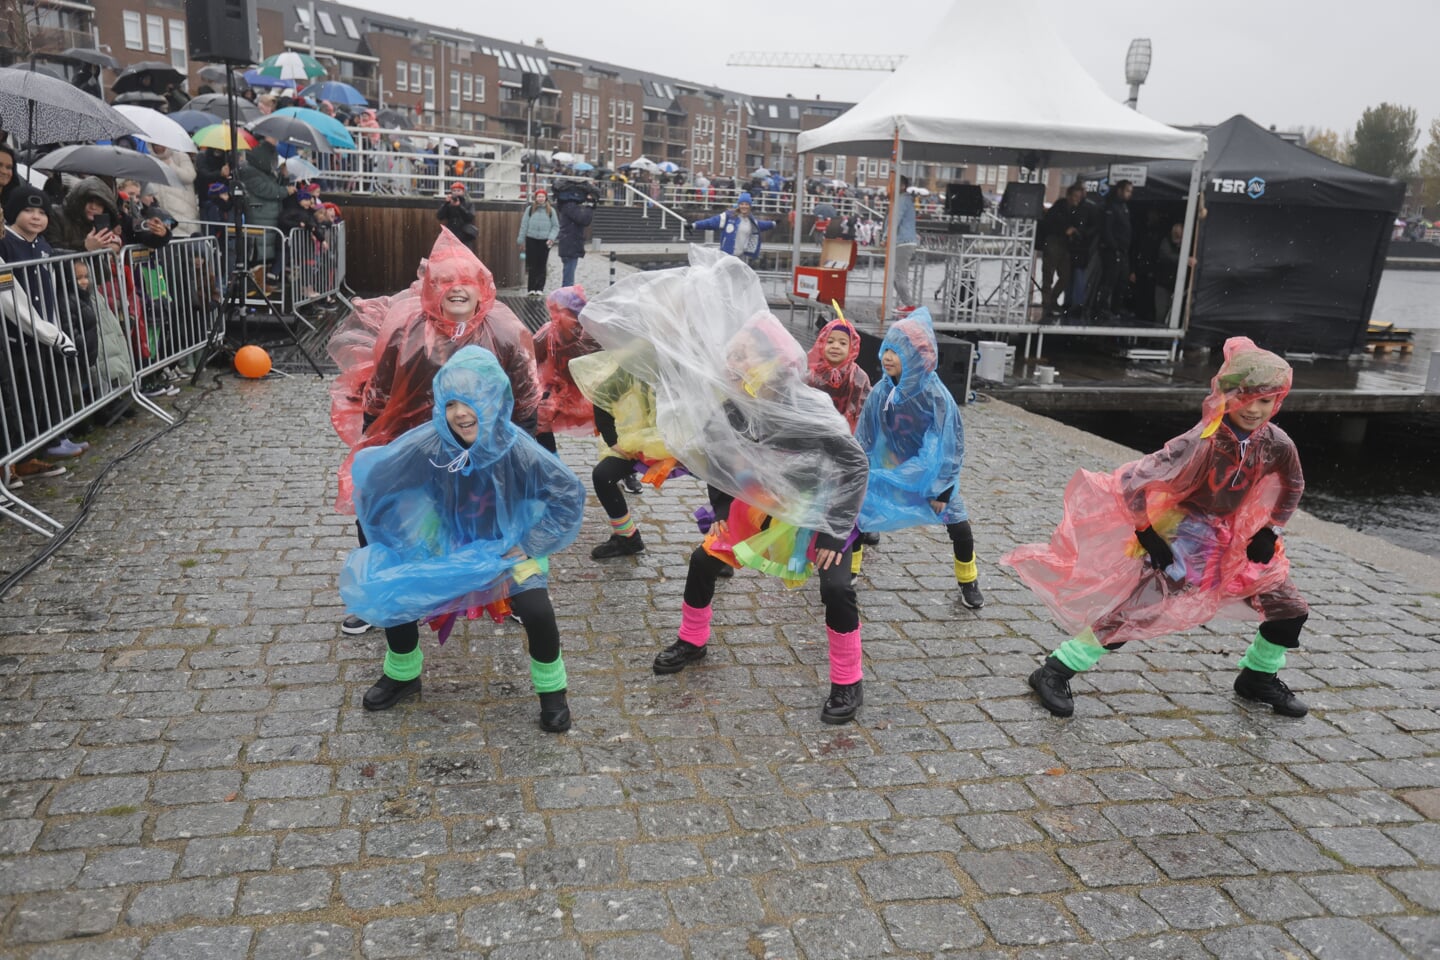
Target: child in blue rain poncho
{"x":461,"y":514}
{"x":911,"y":430}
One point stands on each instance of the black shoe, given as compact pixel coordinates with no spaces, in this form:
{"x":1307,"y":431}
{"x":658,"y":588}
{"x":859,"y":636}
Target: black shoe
{"x":971,"y":596}
{"x":354,"y":626}
{"x":554,"y":712}
{"x":677,"y":657}
{"x":726,"y":572}
{"x":618,"y":546}
{"x":1269,"y":688}
{"x":632,"y":483}
{"x":387,"y":692}
{"x":1052,"y":683}
{"x":868,"y":539}
{"x":843,"y":703}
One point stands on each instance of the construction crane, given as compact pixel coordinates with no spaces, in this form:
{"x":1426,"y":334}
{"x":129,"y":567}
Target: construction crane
{"x":817,"y":61}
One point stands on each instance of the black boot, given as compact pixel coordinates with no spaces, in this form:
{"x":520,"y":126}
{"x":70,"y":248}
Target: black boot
{"x":677,"y":657}
{"x":387,"y":692}
{"x":554,"y":712}
{"x":618,"y":546}
{"x":868,"y":539}
{"x":1052,"y":683}
{"x":843,"y":703}
{"x":1269,"y":688}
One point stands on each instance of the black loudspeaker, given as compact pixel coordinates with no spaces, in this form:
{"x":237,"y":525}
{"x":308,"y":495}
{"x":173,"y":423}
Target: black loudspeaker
{"x":964,"y":200}
{"x":222,"y":31}
{"x":530,"y":86}
{"x":954,"y":362}
{"x":1023,"y":201}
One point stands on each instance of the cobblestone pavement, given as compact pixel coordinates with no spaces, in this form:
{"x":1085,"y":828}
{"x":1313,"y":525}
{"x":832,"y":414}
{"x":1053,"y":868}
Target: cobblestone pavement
{"x":186,"y":772}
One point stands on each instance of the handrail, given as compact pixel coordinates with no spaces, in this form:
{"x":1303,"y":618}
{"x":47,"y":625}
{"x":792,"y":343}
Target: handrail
{"x":649,"y":201}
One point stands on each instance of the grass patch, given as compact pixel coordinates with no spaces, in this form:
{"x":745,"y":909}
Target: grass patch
{"x":119,"y":811}
{"x":188,"y":562}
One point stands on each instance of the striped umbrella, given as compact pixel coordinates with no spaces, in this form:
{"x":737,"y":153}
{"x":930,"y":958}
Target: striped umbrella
{"x":217,"y":136}
{"x":291,"y":66}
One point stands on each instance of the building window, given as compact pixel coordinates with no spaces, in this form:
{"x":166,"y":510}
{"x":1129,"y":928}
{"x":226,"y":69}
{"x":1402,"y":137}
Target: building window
{"x":479,"y":88}
{"x":429,"y":88}
{"x":469,"y":90}
{"x":839,"y":168}
{"x":303,"y":13}
{"x":134,"y":40}
{"x":350,"y":29}
{"x":326,"y":23}
{"x":155,"y":33}
{"x":454,"y":90}
{"x":177,"y":46}
{"x":415,"y":78}
{"x":402,"y":75}
{"x":1003,"y":175}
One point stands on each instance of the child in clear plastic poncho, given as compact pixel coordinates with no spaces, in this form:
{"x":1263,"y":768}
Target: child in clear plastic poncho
{"x":563,"y":408}
{"x":462,"y":514}
{"x":390,"y":348}
{"x":833,"y":369}
{"x":1181,"y":536}
{"x":911,"y":430}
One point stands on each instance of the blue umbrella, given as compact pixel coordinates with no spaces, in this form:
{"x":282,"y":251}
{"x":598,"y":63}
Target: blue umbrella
{"x":255,"y":79}
{"x":333,"y":129}
{"x":335,"y":92}
{"x":668,"y":167}
{"x":582,"y":166}
{"x":193,"y":120}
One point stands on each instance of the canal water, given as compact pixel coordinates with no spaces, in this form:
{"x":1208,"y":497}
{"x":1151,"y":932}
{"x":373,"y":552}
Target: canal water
{"x":1387,"y":486}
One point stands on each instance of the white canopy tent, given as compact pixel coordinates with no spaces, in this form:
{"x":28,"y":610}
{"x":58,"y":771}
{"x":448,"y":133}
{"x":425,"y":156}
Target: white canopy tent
{"x":995,"y":84}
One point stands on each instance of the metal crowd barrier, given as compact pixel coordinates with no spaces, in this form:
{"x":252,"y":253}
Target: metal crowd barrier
{"x":315,"y":266}
{"x":284,"y":271}
{"x":81,"y":330}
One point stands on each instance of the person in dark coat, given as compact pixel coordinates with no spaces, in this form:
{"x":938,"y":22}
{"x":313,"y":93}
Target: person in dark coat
{"x":1115,"y":269}
{"x":457,"y":216}
{"x":575,"y":208}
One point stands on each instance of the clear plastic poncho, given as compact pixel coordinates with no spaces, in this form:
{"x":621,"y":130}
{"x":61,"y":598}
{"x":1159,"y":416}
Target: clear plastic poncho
{"x":563,"y":407}
{"x":1207,"y":492}
{"x":912,"y":432}
{"x":389,"y":350}
{"x":844,"y":383}
{"x":731,"y":402}
{"x":451,"y":528}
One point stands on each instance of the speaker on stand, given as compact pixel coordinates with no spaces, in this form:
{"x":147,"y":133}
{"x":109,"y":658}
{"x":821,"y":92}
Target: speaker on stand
{"x":221,"y":31}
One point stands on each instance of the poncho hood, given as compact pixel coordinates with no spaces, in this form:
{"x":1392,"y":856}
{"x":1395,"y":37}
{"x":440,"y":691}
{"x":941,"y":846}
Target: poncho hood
{"x":475,"y":378}
{"x":913,"y":340}
{"x":452,"y":264}
{"x":1248,"y":373}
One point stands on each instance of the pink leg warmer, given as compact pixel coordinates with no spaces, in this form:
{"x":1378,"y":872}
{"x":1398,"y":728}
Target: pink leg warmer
{"x":694,"y":624}
{"x":844,"y":656}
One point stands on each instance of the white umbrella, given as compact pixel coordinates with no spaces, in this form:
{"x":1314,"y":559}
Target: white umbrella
{"x":644,"y":163}
{"x":563,"y":157}
{"x":298,"y":168}
{"x":918,"y":191}
{"x":759,"y":172}
{"x":158,"y":129}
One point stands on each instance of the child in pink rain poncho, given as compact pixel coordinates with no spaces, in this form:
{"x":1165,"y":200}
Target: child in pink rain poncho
{"x":563,"y":408}
{"x":390,"y":348}
{"x":834,"y":372}
{"x":1181,"y":536}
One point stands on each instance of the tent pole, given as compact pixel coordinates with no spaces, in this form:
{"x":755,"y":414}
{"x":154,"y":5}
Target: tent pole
{"x":1178,"y":301}
{"x":890,"y":223}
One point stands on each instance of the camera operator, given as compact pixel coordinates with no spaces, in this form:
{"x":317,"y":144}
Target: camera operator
{"x":575,"y":204}
{"x":457,"y":216}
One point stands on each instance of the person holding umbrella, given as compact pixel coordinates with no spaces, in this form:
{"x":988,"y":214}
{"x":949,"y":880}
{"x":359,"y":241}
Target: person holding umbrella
{"x":265,"y":192}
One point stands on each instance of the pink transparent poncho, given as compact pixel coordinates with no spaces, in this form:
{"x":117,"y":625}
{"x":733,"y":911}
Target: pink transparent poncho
{"x":563,"y":407}
{"x":390,"y":348}
{"x":845,"y":383}
{"x":1207,"y":492}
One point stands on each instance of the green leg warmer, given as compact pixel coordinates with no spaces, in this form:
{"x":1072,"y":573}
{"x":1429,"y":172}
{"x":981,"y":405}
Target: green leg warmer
{"x":548,"y":677}
{"x":1263,"y":656}
{"x":1080,"y":653}
{"x":403,"y":666}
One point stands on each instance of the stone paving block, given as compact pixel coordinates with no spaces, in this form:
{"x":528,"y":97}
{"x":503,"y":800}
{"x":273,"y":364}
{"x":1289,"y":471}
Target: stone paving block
{"x":616,"y":910}
{"x":212,"y":943}
{"x":535,"y":917}
{"x":288,"y":781}
{"x":587,"y":866}
{"x":60,"y":916}
{"x":127,"y":948}
{"x":478,"y":877}
{"x":1113,"y":916}
{"x":99,"y":794}
{"x":223,"y":856}
{"x":166,"y":903}
{"x":1421,"y":886}
{"x":1281,"y":851}
{"x":847,"y":806}
{"x":43,"y":872}
{"x":1014,"y":872}
{"x":748,"y":854}
{"x":1329,"y":937}
{"x":1076,"y":825}
{"x":114,"y":868}
{"x":649,"y":862}
{"x":1191,"y":907}
{"x":723,"y":902}
{"x":296,"y":892}
{"x":90,"y":832}
{"x":1188,"y":857}
{"x":1258,"y":942}
{"x":428,"y":936}
{"x":922,"y":835}
{"x":911,"y":878}
{"x":320,"y":941}
{"x":1362,"y":847}
{"x":1022,"y":921}
{"x":1351,"y":895}
{"x":1110,"y":864}
{"x":855,"y":933}
{"x":382,"y":886}
{"x":991,"y":830}
{"x":1374,"y":806}
{"x":1417,"y":936}
{"x":406,"y":840}
{"x":18,"y":836}
{"x":1272,"y":899}
{"x":1148,"y":819}
{"x":931,"y":927}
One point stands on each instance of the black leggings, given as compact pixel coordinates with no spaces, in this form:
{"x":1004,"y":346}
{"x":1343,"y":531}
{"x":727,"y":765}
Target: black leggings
{"x":606,"y":477}
{"x":532,"y":606}
{"x":537,"y":256}
{"x":837,"y":589}
{"x":962,"y":538}
{"x":547,"y":440}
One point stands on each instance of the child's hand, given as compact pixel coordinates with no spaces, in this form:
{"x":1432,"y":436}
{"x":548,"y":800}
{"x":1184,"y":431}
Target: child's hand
{"x":1160,"y":553}
{"x":1261,"y":548}
{"x":825,"y":559}
{"x":938,"y":506}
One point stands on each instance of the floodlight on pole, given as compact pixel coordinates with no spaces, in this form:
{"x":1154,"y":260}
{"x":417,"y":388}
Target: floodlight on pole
{"x":1137,"y":68}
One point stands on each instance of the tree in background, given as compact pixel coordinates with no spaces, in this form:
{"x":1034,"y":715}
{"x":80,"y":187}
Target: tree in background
{"x":1385,"y":141}
{"x":1430,"y":168}
{"x":1328,"y":144}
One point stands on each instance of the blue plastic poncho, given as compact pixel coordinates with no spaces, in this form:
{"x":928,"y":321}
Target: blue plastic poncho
{"x":454,"y":528}
{"x":731,"y":402}
{"x":912,"y":433}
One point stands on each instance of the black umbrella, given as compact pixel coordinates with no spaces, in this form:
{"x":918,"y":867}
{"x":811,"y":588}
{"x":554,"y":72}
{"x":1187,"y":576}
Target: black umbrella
{"x":47,"y":110}
{"x":147,"y":75}
{"x":215,"y":103}
{"x":93,"y":57}
{"x":392,"y":120}
{"x":290,"y":130}
{"x":140,"y":98}
{"x":215,"y":73}
{"x":106,"y":161}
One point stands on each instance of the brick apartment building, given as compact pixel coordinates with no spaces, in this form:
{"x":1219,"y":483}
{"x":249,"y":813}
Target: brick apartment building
{"x":457,"y":82}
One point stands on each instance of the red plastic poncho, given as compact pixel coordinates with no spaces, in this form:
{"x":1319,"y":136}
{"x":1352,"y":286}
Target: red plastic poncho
{"x":846,"y":384}
{"x":390,"y":349}
{"x":563,"y":408}
{"x":1207,"y":492}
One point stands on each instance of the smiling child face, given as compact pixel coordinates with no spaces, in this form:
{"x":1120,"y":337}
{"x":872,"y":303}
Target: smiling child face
{"x":837,"y":347}
{"x":463,"y":421}
{"x":458,"y":299}
{"x":1250,"y":415}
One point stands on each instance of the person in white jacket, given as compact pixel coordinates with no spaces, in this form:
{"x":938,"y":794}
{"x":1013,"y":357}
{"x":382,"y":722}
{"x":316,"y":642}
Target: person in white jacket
{"x":23,"y":329}
{"x":180,"y":202}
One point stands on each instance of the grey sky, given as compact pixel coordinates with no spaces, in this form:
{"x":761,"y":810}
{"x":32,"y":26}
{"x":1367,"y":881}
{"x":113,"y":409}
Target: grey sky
{"x":1292,"y":63}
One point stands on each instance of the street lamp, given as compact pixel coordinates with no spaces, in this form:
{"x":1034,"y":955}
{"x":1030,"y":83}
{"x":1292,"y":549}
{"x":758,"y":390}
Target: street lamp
{"x":1137,"y":68}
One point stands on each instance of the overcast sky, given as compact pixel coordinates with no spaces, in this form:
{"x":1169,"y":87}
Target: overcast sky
{"x":1291,"y":63}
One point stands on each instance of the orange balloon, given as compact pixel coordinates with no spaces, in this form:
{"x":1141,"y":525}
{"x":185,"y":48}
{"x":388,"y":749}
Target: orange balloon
{"x":252,"y":362}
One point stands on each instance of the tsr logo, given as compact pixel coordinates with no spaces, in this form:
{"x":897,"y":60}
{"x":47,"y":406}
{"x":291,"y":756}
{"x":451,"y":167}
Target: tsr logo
{"x":1254,"y":188}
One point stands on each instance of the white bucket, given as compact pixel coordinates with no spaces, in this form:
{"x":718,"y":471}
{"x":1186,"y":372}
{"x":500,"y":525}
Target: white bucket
{"x":1045,"y":376}
{"x":991,"y":363}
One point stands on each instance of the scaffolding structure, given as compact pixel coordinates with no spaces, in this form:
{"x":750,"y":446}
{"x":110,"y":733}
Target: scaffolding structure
{"x":989,"y":278}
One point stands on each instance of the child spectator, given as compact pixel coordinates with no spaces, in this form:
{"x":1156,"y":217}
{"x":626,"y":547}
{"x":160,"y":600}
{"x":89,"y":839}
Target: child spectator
{"x":1181,"y":536}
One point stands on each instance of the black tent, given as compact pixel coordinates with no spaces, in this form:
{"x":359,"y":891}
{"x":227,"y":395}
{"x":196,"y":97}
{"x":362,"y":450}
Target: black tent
{"x":1292,"y":247}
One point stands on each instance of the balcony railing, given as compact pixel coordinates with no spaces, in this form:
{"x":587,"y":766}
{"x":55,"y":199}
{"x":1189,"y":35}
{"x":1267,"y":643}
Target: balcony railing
{"x":55,"y":39}
{"x":518,"y":110}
